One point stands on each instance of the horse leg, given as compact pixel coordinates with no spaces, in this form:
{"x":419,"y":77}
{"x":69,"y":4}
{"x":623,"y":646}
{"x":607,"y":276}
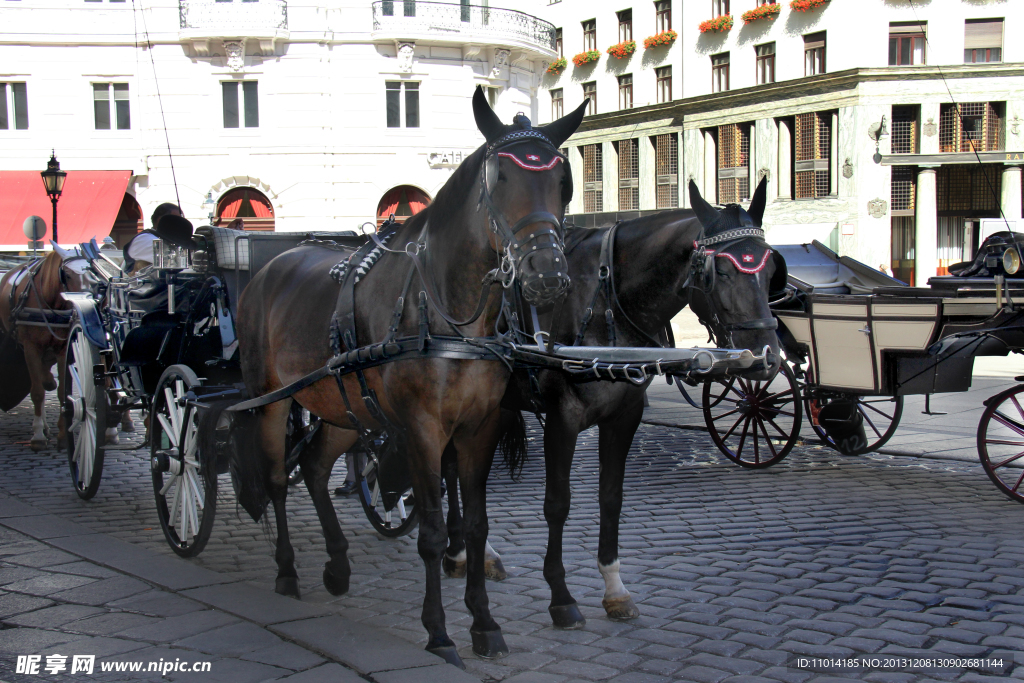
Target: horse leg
{"x":454,"y":561}
{"x":476,"y":451}
{"x":559,"y":448}
{"x":271,"y":433}
{"x":317,"y":461}
{"x":614,"y":439}
{"x":37,"y":375}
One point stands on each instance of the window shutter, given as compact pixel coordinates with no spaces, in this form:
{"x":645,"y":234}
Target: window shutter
{"x":983,"y":33}
{"x":908,"y":27}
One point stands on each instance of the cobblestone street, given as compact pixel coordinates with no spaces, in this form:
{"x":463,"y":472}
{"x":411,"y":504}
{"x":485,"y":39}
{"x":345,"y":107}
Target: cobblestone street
{"x":736,"y":572}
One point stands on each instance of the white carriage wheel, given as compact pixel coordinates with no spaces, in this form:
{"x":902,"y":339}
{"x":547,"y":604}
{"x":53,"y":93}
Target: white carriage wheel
{"x":400,"y":519}
{"x":85,"y":414}
{"x":184,"y":482}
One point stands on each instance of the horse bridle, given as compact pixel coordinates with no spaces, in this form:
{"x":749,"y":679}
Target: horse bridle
{"x":511,"y":248}
{"x":702,"y":279}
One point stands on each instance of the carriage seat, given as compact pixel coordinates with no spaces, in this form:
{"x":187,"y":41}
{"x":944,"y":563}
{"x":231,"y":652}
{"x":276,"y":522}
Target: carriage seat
{"x":150,"y":297}
{"x":223,"y":242}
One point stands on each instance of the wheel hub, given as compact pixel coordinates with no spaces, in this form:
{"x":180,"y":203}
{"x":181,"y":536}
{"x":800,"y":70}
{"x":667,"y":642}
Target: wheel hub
{"x":76,"y":407}
{"x":166,"y":461}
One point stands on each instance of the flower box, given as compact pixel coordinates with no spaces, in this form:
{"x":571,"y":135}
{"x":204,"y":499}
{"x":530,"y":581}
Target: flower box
{"x":662,"y":39}
{"x":763,"y":12}
{"x":586,"y":57}
{"x":805,"y":5}
{"x":622,"y":50}
{"x":719,"y":24}
{"x":558,"y":66}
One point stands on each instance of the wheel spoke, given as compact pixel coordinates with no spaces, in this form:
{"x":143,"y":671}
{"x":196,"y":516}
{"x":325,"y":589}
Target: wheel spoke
{"x":733,"y":428}
{"x":726,"y":414}
{"x":783,"y":434}
{"x":1017,"y":485}
{"x":1007,"y":461}
{"x":1001,"y":442}
{"x":401,"y":509}
{"x":772,"y":397}
{"x":868,"y":419}
{"x":1008,"y":422}
{"x":1020,"y":411}
{"x":767,"y":439}
{"x":755,"y":440}
{"x":172,"y":514}
{"x":743,"y":437}
{"x":885,"y":415}
{"x":169,"y":430}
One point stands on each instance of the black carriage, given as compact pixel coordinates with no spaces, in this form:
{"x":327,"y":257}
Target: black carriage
{"x":163,"y":340}
{"x":857,"y":342}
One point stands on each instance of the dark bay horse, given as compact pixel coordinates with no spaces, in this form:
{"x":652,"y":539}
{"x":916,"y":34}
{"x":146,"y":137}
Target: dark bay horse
{"x":286,"y":315}
{"x":34,"y":316}
{"x":652,"y":268}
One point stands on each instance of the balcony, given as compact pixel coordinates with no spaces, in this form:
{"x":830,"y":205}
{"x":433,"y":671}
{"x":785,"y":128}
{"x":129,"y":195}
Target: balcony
{"x":444,"y":22}
{"x":265,"y":20}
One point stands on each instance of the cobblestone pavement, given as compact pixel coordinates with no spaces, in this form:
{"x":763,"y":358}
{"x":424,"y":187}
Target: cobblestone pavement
{"x":736,"y":572}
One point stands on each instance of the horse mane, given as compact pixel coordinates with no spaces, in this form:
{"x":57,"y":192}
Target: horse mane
{"x":48,"y":282}
{"x":452,"y":196}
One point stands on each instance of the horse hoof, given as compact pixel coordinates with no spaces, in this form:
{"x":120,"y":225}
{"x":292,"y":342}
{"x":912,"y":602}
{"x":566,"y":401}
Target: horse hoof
{"x":50,"y":384}
{"x":620,"y":609}
{"x":495,"y":570}
{"x":567,"y":616}
{"x":287,"y":585}
{"x":449,"y":654}
{"x":37,"y":444}
{"x":112,"y":438}
{"x":335,"y":582}
{"x":488,"y":644}
{"x":127,"y":424}
{"x":454,"y":569}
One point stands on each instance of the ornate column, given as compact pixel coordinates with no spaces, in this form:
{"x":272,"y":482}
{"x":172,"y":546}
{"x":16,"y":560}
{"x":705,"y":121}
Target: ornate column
{"x":926,"y":238}
{"x":1010,"y":202}
{"x":834,"y":157}
{"x":785,"y":184}
{"x":710,"y":191}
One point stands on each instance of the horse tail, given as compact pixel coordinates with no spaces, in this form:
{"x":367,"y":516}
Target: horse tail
{"x":246,"y":462}
{"x":512,"y":442}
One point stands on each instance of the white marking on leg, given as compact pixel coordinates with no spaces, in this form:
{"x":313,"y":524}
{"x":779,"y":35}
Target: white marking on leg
{"x":489,"y":552}
{"x":38,"y":428}
{"x":613,"y":587}
{"x":459,"y":558}
{"x":111,"y":435}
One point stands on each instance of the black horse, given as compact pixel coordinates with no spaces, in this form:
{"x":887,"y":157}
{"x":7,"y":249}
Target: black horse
{"x":628,"y":283}
{"x":497,"y":219}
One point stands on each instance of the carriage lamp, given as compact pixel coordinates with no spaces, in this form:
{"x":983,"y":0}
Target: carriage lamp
{"x":53,"y":179}
{"x":1011,"y":261}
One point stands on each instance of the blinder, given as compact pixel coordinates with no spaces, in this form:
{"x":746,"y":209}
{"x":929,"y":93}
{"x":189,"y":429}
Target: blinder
{"x":780,"y":278}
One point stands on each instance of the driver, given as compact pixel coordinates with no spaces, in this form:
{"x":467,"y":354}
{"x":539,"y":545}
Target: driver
{"x":138,"y":253}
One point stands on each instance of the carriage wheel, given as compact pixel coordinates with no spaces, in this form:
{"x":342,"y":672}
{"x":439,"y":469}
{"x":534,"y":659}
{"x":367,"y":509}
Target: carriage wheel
{"x":754,"y":424}
{"x":85,"y":414}
{"x":1001,"y":442}
{"x":400,"y":519}
{"x":881,"y":418}
{"x":185,"y":483}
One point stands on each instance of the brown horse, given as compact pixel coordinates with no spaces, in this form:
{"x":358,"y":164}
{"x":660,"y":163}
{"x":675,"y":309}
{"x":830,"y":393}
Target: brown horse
{"x":35,"y":316}
{"x":517,"y":183}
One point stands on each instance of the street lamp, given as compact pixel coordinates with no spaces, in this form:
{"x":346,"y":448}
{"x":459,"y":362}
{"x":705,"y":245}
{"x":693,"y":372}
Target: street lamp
{"x":53,"y":179}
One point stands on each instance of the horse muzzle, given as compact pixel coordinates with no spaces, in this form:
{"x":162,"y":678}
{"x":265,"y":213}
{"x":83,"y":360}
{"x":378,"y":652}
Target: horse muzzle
{"x":544,"y":276}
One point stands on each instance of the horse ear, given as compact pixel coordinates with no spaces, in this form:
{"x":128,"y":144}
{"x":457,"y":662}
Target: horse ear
{"x":706,"y":214}
{"x":561,"y":130}
{"x":65,"y":254}
{"x":486,"y":120}
{"x":757,"y":204}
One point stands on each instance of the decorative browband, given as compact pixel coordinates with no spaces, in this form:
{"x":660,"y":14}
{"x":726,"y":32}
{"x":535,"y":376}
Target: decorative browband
{"x":518,"y":136}
{"x":731,"y":235}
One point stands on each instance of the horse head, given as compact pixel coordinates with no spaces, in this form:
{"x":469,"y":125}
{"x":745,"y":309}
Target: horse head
{"x":526,"y":185}
{"x":734,"y":272}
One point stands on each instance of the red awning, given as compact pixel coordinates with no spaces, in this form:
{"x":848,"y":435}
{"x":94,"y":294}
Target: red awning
{"x":87,"y":207}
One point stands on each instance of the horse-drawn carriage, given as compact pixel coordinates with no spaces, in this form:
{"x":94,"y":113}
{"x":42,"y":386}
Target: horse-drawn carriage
{"x":859,"y":341}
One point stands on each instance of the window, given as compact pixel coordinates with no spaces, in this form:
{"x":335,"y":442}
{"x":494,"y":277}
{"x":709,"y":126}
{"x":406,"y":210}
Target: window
{"x":720,"y":72}
{"x":765,"y":63}
{"x":904,"y":129}
{"x":761,"y":3}
{"x":814,"y":54}
{"x":983,"y":40}
{"x":971,"y":126}
{"x":396,"y":103}
{"x":733,"y":163}
{"x":629,"y":175}
{"x":387,"y":7}
{"x":626,"y":91}
{"x":664,"y":75}
{"x":557,"y":104}
{"x":663,"y":15}
{"x":906,"y":43}
{"x":250,"y":108}
{"x":590,"y":34}
{"x":903,"y":190}
{"x":593,"y":178}
{"x":719,"y":7}
{"x":590,"y":94}
{"x":813,"y":155}
{"x":13,"y":106}
{"x":101,"y":98}
{"x":558,"y":42}
{"x":666,"y":166}
{"x":625,"y":25}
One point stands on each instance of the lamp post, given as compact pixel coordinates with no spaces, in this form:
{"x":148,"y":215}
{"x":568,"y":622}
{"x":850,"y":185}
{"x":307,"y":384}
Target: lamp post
{"x":53,"y":180}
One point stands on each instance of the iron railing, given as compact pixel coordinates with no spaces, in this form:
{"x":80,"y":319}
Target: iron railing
{"x":235,"y":17}
{"x":452,"y":19}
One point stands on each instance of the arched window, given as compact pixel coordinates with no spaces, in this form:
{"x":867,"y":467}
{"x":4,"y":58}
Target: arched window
{"x":248,"y":205}
{"x":404,"y":201}
{"x":129,"y":221}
